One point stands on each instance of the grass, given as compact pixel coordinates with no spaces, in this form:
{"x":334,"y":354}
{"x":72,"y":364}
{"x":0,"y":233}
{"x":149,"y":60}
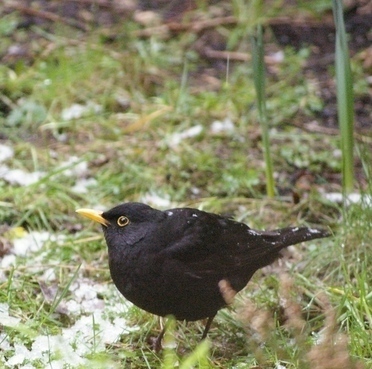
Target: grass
{"x":345,"y":98}
{"x":259,"y":80}
{"x":149,"y":93}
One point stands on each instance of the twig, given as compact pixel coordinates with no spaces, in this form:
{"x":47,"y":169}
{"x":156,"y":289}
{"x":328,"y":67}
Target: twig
{"x":99,"y":3}
{"x":109,"y":4}
{"x":301,"y":22}
{"x":315,"y":127}
{"x":195,"y":27}
{"x":228,"y":55}
{"x":235,"y":56}
{"x":47,"y":15}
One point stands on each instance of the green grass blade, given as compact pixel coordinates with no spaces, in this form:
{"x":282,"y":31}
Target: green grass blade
{"x":198,"y":358}
{"x":345,"y":98}
{"x":64,"y":292}
{"x":259,"y":82}
{"x":170,"y":358}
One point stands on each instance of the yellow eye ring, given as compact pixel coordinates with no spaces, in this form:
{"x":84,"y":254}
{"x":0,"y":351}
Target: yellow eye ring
{"x":122,"y":221}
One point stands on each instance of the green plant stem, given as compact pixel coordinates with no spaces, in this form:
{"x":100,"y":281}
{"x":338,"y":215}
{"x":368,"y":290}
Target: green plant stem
{"x":345,"y":98}
{"x":259,"y":82}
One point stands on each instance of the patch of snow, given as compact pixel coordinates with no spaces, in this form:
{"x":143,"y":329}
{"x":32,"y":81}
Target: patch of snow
{"x":74,"y":167}
{"x":85,"y":294}
{"x":195,"y":190}
{"x":85,"y":291}
{"x":82,"y":185}
{"x":4,"y":343}
{"x":33,"y":242}
{"x":48,"y":275}
{"x":45,"y":347}
{"x":6,"y":152}
{"x":73,"y":345}
{"x":279,"y":366}
{"x":224,"y":126}
{"x":20,"y":354}
{"x":73,"y":307}
{"x":104,"y":323}
{"x":277,"y":57}
{"x":7,"y":261}
{"x":76,"y":111}
{"x":155,"y":200}
{"x":19,"y":176}
{"x":5,"y":319}
{"x":177,"y":137}
{"x":353,"y":198}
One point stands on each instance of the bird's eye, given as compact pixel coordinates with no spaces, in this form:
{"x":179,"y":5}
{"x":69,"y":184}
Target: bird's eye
{"x":122,"y":221}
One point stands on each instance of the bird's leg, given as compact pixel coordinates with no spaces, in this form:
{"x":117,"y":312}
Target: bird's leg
{"x":157,"y":345}
{"x":207,"y":326}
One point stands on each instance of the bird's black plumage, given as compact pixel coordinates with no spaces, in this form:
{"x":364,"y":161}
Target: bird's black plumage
{"x":171,"y":262}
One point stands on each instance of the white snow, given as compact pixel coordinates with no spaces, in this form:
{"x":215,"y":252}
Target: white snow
{"x":76,"y":111}
{"x":82,"y":185}
{"x":155,"y":200}
{"x":98,"y":321}
{"x":74,"y":167}
{"x":19,"y":176}
{"x":89,"y":334}
{"x":6,"y":152}
{"x":176,"y":138}
{"x":224,"y":126}
{"x":5,"y":319}
{"x":353,"y":198}
{"x":33,"y":241}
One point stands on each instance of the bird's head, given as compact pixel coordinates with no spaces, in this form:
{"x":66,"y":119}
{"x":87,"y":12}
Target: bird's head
{"x":126,"y":223}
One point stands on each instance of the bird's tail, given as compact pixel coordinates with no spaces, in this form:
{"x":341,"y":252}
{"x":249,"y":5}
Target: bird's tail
{"x":272,"y":242}
{"x":285,"y":237}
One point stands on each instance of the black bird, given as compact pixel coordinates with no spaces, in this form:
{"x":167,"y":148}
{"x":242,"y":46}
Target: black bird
{"x":178,"y":261}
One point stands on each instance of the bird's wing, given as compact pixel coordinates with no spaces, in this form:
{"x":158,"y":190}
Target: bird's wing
{"x":189,"y":235}
{"x":195,"y":235}
{"x":209,"y":241}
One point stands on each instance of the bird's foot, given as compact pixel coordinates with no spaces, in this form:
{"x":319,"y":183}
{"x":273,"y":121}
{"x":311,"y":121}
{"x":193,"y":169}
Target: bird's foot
{"x":157,"y":343}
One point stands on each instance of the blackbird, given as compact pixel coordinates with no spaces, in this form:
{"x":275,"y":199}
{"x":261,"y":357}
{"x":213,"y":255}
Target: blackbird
{"x":173,"y":262}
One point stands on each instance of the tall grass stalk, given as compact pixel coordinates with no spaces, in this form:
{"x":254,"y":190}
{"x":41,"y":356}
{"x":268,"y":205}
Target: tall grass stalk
{"x":259,"y":83}
{"x":198,"y":358}
{"x":345,"y":98}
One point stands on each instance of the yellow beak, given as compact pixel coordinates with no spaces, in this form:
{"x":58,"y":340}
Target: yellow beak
{"x":93,"y":215}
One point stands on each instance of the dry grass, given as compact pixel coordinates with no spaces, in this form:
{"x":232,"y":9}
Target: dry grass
{"x":328,"y":351}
